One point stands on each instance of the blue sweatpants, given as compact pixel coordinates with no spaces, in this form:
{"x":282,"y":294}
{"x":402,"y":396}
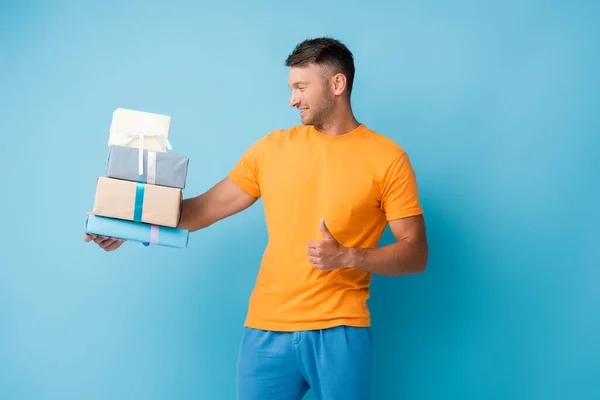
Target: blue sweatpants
{"x":335,"y":363}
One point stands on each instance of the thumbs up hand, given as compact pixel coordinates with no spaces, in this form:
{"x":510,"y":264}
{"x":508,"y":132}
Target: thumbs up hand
{"x":327,"y":254}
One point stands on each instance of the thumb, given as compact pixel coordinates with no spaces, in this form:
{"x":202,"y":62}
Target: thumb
{"x":325,"y":230}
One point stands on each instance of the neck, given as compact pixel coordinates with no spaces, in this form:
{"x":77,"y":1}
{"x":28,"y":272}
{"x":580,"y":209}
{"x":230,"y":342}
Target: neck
{"x":341,"y":121}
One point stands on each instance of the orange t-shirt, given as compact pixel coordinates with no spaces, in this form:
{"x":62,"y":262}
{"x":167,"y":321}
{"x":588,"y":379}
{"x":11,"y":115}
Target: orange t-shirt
{"x":357,"y":182}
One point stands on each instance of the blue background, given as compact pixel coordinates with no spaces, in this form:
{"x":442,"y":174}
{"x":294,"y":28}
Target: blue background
{"x":496,"y":103}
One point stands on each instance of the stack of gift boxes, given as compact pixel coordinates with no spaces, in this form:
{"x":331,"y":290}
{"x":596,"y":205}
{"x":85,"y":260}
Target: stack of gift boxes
{"x":140,"y":198}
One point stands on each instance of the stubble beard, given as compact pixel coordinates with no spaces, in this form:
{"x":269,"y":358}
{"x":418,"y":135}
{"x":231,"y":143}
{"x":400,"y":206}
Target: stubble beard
{"x":322,"y":113}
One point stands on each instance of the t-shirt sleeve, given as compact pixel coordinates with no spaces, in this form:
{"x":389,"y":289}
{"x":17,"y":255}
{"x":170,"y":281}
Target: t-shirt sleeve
{"x":246,"y":173}
{"x":400,"y":195}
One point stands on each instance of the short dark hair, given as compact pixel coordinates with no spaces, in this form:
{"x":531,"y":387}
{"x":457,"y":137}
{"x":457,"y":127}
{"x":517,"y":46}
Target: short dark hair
{"x":324,"y":51}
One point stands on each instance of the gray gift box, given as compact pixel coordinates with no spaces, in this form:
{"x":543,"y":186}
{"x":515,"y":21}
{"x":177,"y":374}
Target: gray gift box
{"x":159,"y":168}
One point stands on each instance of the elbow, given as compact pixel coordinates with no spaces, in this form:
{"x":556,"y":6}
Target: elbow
{"x":420,"y":261}
{"x":419,"y":256}
{"x":418,"y":266}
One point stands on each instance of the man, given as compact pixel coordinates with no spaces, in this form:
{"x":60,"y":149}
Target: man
{"x":329,"y":187}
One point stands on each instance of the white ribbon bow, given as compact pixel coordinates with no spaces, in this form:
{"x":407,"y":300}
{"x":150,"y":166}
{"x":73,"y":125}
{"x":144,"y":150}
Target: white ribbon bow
{"x":162,"y":141}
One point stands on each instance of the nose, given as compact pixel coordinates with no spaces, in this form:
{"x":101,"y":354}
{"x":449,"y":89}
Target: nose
{"x":294,"y":100}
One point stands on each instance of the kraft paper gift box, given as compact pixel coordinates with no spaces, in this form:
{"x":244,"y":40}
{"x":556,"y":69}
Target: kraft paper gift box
{"x":164,"y":169}
{"x":136,"y":231}
{"x":139,"y":202}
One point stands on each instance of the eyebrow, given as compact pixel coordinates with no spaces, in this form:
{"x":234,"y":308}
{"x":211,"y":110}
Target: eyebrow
{"x":299,"y":83}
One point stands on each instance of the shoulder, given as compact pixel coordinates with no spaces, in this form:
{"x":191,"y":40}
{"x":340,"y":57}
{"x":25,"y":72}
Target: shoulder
{"x":385,"y":147}
{"x":278,"y":137}
{"x":266,"y":139}
{"x":287,"y":133}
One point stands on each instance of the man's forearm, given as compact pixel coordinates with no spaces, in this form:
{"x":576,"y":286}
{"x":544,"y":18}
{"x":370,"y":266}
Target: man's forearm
{"x":221,"y":201}
{"x":194,"y":215}
{"x":399,"y":258}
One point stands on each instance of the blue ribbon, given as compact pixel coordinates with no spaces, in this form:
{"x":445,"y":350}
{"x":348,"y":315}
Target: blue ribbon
{"x":139,"y":202}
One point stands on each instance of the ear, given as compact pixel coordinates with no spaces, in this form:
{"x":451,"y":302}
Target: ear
{"x":339,"y":83}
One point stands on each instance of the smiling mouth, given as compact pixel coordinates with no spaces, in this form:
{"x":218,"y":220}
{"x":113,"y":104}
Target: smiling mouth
{"x":303,"y":111}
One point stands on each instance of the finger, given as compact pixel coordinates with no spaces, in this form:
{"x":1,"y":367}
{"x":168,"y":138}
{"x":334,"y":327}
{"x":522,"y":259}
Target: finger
{"x":313,"y":244}
{"x":313,"y":252}
{"x":89,"y":238}
{"x":99,"y":239}
{"x":114,"y":245}
{"x":107,"y":243}
{"x":314,"y":260}
{"x":324,"y":230}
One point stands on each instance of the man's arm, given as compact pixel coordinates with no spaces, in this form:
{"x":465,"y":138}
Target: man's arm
{"x":408,"y":255}
{"x":221,"y":201}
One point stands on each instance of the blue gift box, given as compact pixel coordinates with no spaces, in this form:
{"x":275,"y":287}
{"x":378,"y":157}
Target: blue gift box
{"x":156,"y":168}
{"x":136,"y":231}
